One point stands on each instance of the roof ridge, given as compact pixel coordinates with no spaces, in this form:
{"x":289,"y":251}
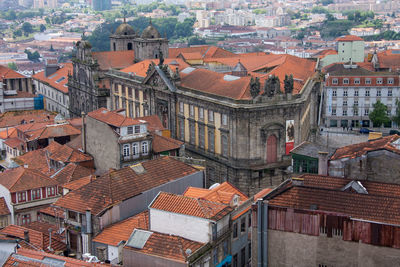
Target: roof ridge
{"x":16,"y":180}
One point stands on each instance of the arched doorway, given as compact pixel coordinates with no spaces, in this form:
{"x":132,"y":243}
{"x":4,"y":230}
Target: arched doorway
{"x":271,"y":149}
{"x":129,"y":46}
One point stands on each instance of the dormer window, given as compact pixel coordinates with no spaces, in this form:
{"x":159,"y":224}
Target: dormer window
{"x":345,"y":81}
{"x":368,"y":81}
{"x":130,"y":130}
{"x":379,"y":81}
{"x":334,"y":81}
{"x":36,"y":194}
{"x":21,"y":196}
{"x":390,"y":81}
{"x":357,"y":81}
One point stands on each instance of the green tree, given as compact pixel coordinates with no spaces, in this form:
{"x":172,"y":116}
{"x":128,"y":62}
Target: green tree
{"x":27,"y":27}
{"x":42,"y":28}
{"x":12,"y":66}
{"x":17,"y":33}
{"x":379,"y":115}
{"x":396,"y":118}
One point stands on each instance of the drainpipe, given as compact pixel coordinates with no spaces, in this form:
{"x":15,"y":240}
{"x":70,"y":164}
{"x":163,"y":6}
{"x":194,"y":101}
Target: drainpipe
{"x":259,"y":232}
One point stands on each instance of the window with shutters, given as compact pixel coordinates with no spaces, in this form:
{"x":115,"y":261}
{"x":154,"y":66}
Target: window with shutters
{"x":224,"y":145}
{"x":145,"y":148}
{"x":211,"y":140}
{"x":135,"y":149}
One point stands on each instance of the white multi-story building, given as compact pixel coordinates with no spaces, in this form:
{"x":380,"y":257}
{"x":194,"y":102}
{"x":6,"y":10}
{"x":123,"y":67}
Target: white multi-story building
{"x":351,"y":91}
{"x":52,"y":84}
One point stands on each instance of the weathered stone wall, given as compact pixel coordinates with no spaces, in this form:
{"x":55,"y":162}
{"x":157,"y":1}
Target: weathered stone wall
{"x":292,"y":249}
{"x":102,"y":144}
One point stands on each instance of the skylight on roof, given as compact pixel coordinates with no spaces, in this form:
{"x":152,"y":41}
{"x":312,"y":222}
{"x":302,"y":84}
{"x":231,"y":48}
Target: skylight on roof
{"x":138,"y":238}
{"x":188,"y":70}
{"x":60,"y":80}
{"x":52,"y":76}
{"x":230,"y":78}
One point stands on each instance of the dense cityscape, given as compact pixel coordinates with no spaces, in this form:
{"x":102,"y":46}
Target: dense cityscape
{"x":199,"y":133}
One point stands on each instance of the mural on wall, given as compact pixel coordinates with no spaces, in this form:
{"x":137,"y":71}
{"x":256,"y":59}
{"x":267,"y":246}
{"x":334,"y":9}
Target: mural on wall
{"x":289,"y":136}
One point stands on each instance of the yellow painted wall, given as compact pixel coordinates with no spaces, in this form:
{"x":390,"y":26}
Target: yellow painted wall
{"x":141,"y":103}
{"x":196,"y":118}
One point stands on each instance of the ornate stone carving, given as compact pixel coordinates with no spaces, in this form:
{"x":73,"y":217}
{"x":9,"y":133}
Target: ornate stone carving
{"x":272,"y":86}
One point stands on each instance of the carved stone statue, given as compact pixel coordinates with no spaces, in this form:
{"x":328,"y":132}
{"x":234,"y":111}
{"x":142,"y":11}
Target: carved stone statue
{"x":161,"y":58}
{"x":288,"y":83}
{"x":272,"y":86}
{"x":254,"y":87}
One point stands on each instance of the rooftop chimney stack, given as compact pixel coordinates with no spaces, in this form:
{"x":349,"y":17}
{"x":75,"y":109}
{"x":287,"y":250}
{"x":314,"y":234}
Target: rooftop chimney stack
{"x":323,"y":163}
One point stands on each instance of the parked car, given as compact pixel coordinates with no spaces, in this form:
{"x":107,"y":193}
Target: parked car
{"x":394,"y":132}
{"x":365,"y":130}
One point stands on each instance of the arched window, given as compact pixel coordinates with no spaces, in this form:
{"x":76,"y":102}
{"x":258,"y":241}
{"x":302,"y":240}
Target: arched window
{"x":129,"y":46}
{"x":135,"y":149}
{"x":271,"y":149}
{"x":126,"y":151}
{"x":145,"y":148}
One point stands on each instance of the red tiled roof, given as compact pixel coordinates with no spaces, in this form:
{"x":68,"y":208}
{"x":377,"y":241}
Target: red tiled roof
{"x":112,"y":118}
{"x":53,"y":211}
{"x":51,"y":131}
{"x":75,"y":184}
{"x":141,"y":68}
{"x":357,"y":150}
{"x":21,"y":179}
{"x":37,"y":238}
{"x":222,"y":193}
{"x":168,"y":246}
{"x":114,"y":59}
{"x":262,"y":193}
{"x":14,"y":142}
{"x":190,"y":206}
{"x":153,"y":123}
{"x":72,"y":172}
{"x":7,"y":73}
{"x":163,"y":143}
{"x":3,"y":207}
{"x":389,"y":60}
{"x":12,"y":118}
{"x":121,"y":231}
{"x":118,"y":185}
{"x":8,"y":133}
{"x":349,"y":38}
{"x":35,"y":159}
{"x":204,"y":50}
{"x":31,"y":258}
{"x":57,"y":80}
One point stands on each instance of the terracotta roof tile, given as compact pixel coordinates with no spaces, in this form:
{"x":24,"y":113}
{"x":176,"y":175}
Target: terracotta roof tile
{"x":389,"y":59}
{"x":8,"y":133}
{"x":168,"y":246}
{"x":121,"y":231}
{"x":51,"y":131}
{"x":57,"y":80}
{"x":357,"y":150}
{"x":141,"y":68}
{"x":9,"y":119}
{"x":71,"y":172}
{"x":53,"y":211}
{"x":20,"y":94}
{"x":14,"y":142}
{"x":21,"y":179}
{"x":190,"y":206}
{"x":118,"y":185}
{"x":349,"y":38}
{"x":153,"y":123}
{"x":7,"y":73}
{"x":76,"y":184}
{"x":35,"y":159}
{"x":204,"y":50}
{"x":112,"y":118}
{"x":114,"y":59}
{"x":31,"y":258}
{"x":3,"y":207}
{"x":37,"y":238}
{"x":163,"y":143}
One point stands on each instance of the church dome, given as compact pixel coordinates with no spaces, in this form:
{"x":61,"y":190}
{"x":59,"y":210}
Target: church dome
{"x":125,"y":29}
{"x":150,"y":33}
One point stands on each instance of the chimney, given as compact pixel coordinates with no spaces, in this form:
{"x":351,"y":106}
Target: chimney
{"x":26,"y":236}
{"x":322,"y":163}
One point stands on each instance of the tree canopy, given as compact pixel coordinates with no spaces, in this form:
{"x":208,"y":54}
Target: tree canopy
{"x":379,"y":115}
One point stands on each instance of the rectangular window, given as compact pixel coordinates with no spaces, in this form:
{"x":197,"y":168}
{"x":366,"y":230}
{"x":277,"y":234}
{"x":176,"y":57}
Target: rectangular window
{"x":210,"y":116}
{"x":344,"y":112}
{"x":201,"y":113}
{"x":145,"y":148}
{"x":379,"y":81}
{"x":25,"y":219}
{"x":144,"y":96}
{"x":126,"y":151}
{"x":345,"y":81}
{"x":355,"y":102}
{"x":182,"y":129}
{"x":355,"y":111}
{"x":235,"y":230}
{"x":243,"y":256}
{"x":72,"y":215}
{"x":344,"y":102}
{"x":334,"y":112}
{"x":191,"y":109}
{"x":366,"y":112}
{"x":116,"y":102}
{"x":22,"y":197}
{"x":135,"y":149}
{"x":367,"y":93}
{"x":130,"y":92}
{"x":378,"y":93}
{"x":211,"y":140}
{"x":334,"y":93}
{"x":136,"y":94}
{"x":224,"y":145}
{"x":368,"y":81}
{"x":357,"y":81}
{"x":355,"y":93}
{"x":130,"y":130}
{"x":192,"y":133}
{"x":344,"y":93}
{"x":51,"y":191}
{"x":35,"y":194}
{"x":390,"y":81}
{"x":181,"y":107}
{"x":224,"y":119}
{"x":201,"y":136}
{"x":334,"y":81}
{"x":137,"y":129}
{"x":243,"y":225}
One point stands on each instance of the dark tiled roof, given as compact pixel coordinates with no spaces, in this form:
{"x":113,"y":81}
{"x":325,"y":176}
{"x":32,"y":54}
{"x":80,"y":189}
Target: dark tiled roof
{"x":118,"y":185}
